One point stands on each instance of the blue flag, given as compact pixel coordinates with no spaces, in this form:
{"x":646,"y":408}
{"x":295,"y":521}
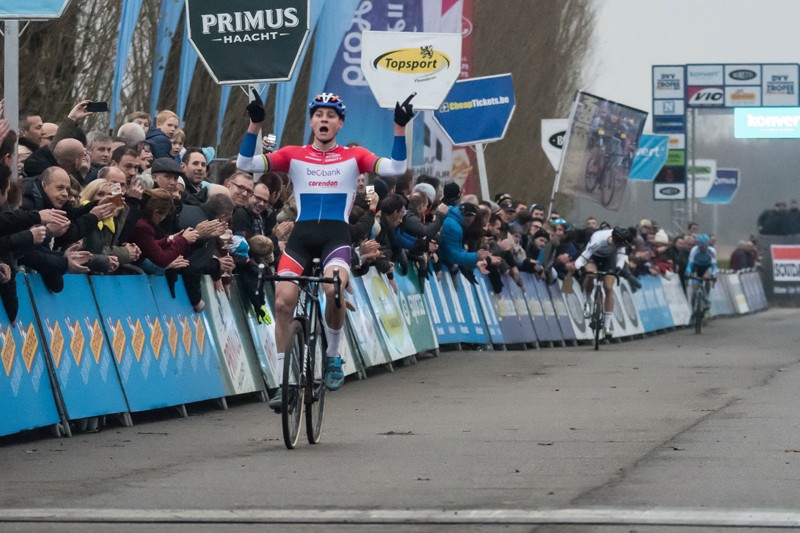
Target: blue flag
{"x":650,"y":157}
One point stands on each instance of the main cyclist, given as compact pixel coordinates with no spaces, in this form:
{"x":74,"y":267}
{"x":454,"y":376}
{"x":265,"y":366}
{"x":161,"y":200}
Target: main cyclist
{"x":324,"y":176}
{"x":605,"y":252}
{"x":702,"y":262}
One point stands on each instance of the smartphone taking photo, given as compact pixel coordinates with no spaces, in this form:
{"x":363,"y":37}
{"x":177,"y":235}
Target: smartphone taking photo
{"x":97,"y":107}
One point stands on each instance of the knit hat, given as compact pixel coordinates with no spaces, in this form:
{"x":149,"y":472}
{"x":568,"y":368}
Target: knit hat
{"x":451,"y":192}
{"x":661,"y":237}
{"x":427,"y":189}
{"x":381,"y":189}
{"x":541,"y":233}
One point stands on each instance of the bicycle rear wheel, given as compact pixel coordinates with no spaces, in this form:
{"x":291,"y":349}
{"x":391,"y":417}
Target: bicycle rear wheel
{"x":608,"y":184}
{"x":315,"y":392}
{"x":293,"y":384}
{"x":594,"y":168}
{"x":597,"y":318}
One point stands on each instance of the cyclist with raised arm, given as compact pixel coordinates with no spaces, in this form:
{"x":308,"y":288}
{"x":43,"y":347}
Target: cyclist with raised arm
{"x":702,"y":263}
{"x":604,"y":252}
{"x":324,"y":176}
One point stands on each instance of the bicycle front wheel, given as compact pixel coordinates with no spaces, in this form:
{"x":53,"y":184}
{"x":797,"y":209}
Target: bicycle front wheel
{"x":315,"y":393}
{"x":597,"y":318}
{"x":608,"y":184}
{"x":293,"y":384}
{"x":699,"y":310}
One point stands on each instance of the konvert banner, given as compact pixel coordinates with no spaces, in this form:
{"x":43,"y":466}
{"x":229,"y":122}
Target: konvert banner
{"x":650,"y":157}
{"x":397,"y":64}
{"x":601,"y":142}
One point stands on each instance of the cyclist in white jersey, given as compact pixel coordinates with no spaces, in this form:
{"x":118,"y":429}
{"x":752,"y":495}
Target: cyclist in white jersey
{"x":324,"y":176}
{"x":605,"y":252}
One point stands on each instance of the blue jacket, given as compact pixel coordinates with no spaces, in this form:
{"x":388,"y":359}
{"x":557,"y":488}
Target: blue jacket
{"x":451,"y":245}
{"x":159,"y":143}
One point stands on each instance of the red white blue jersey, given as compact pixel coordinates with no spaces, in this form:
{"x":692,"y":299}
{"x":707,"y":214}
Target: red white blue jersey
{"x":324,"y":182}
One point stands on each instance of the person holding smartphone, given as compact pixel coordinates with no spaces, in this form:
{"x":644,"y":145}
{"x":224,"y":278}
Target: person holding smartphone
{"x":324,"y":176}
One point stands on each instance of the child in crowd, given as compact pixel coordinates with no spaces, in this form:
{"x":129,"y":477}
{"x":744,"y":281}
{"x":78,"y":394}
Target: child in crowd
{"x":178,"y":140}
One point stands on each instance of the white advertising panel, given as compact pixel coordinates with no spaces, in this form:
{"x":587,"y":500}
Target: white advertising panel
{"x":668,"y":82}
{"x":398,"y":64}
{"x":779,"y":85}
{"x":704,"y":75}
{"x":668,"y":107}
{"x":677,"y":141}
{"x":743,"y":96}
{"x":704,"y":172}
{"x":742,"y":74}
{"x":553,"y":132}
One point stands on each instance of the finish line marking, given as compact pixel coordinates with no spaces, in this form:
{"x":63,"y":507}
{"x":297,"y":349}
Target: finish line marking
{"x":772,"y":518}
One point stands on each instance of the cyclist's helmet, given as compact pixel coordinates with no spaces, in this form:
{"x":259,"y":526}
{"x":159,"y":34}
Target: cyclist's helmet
{"x":327,"y":100}
{"x":621,"y":236}
{"x":702,"y":239}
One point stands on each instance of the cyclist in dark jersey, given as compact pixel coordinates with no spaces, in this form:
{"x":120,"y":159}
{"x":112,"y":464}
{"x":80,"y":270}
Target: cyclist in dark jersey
{"x":324,"y":176}
{"x":702,"y":263}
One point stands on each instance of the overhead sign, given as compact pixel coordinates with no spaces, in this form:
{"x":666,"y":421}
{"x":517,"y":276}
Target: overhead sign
{"x":767,"y":123}
{"x":477,"y":110}
{"x":397,"y":64}
{"x":651,"y":155}
{"x":32,"y":9}
{"x":249,"y":41}
{"x":725,"y":186}
{"x":554,"y":130}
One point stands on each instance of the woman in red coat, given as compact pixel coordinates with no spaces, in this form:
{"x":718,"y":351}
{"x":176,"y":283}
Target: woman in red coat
{"x":164,"y":251}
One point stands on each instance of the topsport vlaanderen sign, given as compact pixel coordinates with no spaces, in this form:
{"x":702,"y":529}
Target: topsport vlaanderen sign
{"x":397,"y":64}
{"x":255,"y":41}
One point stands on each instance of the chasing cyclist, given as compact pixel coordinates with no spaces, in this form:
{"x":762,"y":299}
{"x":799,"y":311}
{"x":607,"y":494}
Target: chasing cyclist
{"x":605,"y":252}
{"x":324,"y":176}
{"x":703,"y":264}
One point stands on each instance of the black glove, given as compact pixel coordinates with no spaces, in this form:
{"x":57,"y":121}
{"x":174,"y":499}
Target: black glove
{"x":256,"y":109}
{"x":403,"y":113}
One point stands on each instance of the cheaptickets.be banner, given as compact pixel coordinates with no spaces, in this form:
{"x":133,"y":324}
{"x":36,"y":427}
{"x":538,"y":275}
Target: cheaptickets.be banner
{"x":601,"y":142}
{"x":397,"y":64}
{"x":477,"y":110}
{"x":248,"y":41}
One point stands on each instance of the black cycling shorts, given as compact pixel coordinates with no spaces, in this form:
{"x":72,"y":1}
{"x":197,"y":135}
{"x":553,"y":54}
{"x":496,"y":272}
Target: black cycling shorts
{"x":328,"y":240}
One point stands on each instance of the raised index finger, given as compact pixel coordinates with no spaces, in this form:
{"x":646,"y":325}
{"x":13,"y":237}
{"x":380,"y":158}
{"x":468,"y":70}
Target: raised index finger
{"x":408,"y":100}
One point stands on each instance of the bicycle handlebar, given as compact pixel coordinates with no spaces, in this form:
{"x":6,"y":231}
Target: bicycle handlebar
{"x":335,"y":280}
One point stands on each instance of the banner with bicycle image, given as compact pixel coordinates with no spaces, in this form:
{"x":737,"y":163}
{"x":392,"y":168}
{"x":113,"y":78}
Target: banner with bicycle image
{"x":601,"y":143}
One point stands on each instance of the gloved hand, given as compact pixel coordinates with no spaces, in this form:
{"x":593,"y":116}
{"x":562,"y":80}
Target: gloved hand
{"x":255,"y":109}
{"x":263,"y":316}
{"x":403,"y":113}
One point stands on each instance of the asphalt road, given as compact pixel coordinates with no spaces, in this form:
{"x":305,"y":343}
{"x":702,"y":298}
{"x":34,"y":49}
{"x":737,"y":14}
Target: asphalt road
{"x":674,"y":430}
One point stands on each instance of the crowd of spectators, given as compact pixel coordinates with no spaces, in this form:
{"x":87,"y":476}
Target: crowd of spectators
{"x":780,"y":220}
{"x":144,"y":202}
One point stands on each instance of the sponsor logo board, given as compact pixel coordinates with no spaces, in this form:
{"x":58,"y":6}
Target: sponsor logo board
{"x":663,"y":191}
{"x":672,"y":107}
{"x":779,"y":86}
{"x":676,"y":124}
{"x":742,"y":74}
{"x":668,"y":81}
{"x":704,"y":75}
{"x":785,"y":262}
{"x":767,"y":123}
{"x":742,"y":96}
{"x":705,"y":96}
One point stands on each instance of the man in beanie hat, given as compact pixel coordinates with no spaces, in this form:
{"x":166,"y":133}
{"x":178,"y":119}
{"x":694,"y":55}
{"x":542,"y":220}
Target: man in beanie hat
{"x":452,"y":193}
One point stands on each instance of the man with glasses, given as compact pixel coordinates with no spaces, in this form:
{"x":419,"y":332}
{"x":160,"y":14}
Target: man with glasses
{"x":240,"y":185}
{"x":248,"y":220}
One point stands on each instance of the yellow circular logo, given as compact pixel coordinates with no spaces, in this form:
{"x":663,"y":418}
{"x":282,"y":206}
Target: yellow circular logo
{"x":422,"y":60}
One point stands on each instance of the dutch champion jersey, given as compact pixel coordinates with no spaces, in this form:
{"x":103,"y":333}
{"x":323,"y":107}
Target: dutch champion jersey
{"x":324,"y":182}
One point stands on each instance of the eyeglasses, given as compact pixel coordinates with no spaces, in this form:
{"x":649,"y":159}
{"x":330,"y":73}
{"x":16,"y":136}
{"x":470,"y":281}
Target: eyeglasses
{"x":260,"y":199}
{"x":242,"y":189}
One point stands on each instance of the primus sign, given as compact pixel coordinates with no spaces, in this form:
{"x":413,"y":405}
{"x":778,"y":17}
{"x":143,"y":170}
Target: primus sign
{"x":396,"y":64}
{"x":248,"y":41}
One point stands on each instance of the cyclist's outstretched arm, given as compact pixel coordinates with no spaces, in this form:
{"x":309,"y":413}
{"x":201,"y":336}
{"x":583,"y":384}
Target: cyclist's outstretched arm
{"x":403,"y":114}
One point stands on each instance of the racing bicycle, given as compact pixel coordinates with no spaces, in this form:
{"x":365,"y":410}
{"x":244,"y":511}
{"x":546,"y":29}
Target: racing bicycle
{"x":701,"y":291}
{"x":302,"y":384}
{"x":607,"y":159}
{"x":597,"y":303}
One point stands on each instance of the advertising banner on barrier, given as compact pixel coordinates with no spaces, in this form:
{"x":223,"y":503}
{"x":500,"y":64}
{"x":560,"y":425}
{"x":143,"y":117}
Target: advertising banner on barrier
{"x":515,"y":320}
{"x":734,"y":287}
{"x":473,"y":318}
{"x":196,"y":369}
{"x":574,"y":304}
{"x":626,"y":315}
{"x":391,"y":326}
{"x":415,"y":314}
{"x":678,"y":304}
{"x":652,"y":304}
{"x":536,"y":309}
{"x":225,"y":319}
{"x":26,"y":392}
{"x":721,"y":303}
{"x":490,"y":314}
{"x":365,"y":328}
{"x":444,"y":324}
{"x":452,"y":301}
{"x":753,"y":290}
{"x":562,"y":314}
{"x":73,"y":334}
{"x":398,"y":64}
{"x":263,"y":335}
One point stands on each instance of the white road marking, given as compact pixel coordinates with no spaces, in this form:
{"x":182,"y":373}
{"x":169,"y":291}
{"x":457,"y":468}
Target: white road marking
{"x":772,"y":518}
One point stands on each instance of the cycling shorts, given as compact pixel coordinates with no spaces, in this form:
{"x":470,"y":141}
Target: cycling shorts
{"x":700,"y":270}
{"x":328,"y":240}
{"x":604,"y":263}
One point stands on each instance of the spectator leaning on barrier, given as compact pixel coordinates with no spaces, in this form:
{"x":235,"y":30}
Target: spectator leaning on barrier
{"x":103,"y":241}
{"x":451,"y":246}
{"x":743,"y":257}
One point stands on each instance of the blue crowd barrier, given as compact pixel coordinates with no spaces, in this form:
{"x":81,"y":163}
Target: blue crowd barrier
{"x":119,"y":344}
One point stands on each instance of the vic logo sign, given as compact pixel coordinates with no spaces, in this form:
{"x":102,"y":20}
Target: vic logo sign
{"x":248,"y":41}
